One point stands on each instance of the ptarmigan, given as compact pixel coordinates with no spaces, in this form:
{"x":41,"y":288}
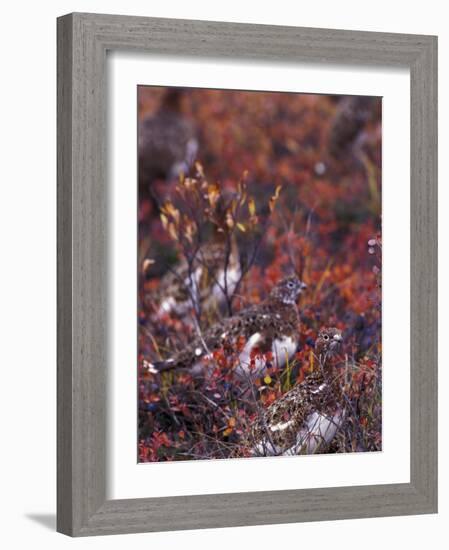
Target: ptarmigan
{"x":307,"y":417}
{"x":209,"y":281}
{"x":271,"y":326}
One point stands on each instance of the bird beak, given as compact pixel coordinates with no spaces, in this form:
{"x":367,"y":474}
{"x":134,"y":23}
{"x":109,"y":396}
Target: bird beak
{"x":338,"y":337}
{"x":303,"y":286}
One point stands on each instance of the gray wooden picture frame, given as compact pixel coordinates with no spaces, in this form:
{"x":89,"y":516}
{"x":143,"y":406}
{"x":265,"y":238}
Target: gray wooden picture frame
{"x":83,"y":41}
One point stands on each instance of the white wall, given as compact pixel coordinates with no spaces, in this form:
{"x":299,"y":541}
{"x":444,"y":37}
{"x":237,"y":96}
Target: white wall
{"x":27,"y":218}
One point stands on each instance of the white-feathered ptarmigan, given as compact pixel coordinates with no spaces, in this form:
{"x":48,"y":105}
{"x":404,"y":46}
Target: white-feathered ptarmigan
{"x":271,"y":326}
{"x":306,"y":418}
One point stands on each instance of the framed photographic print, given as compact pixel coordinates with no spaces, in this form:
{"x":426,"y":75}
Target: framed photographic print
{"x":246,"y":274}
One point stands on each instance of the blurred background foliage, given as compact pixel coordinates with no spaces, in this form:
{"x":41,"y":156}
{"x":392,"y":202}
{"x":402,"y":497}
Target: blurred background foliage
{"x":324,"y":153}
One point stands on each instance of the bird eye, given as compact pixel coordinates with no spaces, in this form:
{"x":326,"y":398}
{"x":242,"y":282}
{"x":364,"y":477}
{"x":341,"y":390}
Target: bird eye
{"x":290,"y":284}
{"x":326,"y":337}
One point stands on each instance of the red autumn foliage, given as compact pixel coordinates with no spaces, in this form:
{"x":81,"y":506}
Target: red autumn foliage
{"x":324,"y":224}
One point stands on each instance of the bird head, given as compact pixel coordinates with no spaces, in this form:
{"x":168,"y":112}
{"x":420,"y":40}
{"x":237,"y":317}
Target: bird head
{"x":329,"y":340}
{"x":288,"y":290}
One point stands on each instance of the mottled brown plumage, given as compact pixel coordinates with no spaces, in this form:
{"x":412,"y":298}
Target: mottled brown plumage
{"x":211,"y":277}
{"x":328,"y":341}
{"x":308,"y":416}
{"x":272,"y":326}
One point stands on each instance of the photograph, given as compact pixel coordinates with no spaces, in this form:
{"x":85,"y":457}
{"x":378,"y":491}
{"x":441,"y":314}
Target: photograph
{"x":259,"y":265}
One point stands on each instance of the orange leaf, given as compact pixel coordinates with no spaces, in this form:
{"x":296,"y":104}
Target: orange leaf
{"x":274,"y":198}
{"x":252,"y":207}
